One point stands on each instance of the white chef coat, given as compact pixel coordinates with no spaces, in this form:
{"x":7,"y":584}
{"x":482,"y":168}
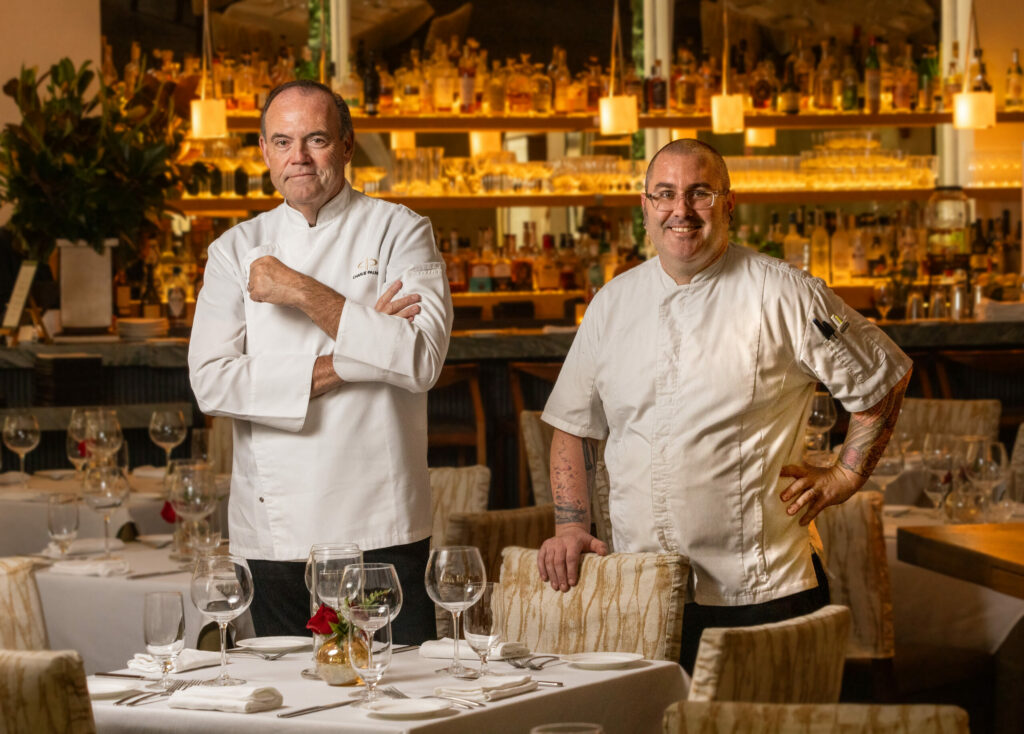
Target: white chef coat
{"x":702,"y":391}
{"x":349,"y":465}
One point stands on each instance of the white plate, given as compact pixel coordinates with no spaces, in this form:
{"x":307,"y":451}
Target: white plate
{"x":407,"y":708}
{"x":602,"y":660}
{"x":112,"y":687}
{"x":57,"y":474}
{"x":275,"y":644}
{"x":156,"y":541}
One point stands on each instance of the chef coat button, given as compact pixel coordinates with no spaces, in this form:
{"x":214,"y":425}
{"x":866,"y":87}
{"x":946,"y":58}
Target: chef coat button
{"x":261,"y":499}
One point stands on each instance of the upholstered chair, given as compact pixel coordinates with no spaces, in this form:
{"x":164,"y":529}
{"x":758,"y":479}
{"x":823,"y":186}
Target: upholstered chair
{"x":624,"y":602}
{"x":494,"y":530}
{"x":44,"y":692}
{"x":798,"y":660}
{"x":962,"y":417}
{"x":21,"y":613}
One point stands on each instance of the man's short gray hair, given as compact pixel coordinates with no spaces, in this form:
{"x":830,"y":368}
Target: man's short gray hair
{"x":692,"y":146}
{"x":308,"y":86}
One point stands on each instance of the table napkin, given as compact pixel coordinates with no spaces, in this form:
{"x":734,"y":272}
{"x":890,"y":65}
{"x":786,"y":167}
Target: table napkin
{"x":187,"y":659}
{"x":113,"y":567}
{"x":13,"y":477}
{"x":445,"y":648}
{"x":489,"y":688}
{"x":233,"y":699}
{"x":82,"y":547}
{"x":149,"y":472}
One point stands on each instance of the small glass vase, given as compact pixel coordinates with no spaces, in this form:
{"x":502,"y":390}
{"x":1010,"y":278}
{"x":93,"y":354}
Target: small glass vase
{"x":332,"y":662}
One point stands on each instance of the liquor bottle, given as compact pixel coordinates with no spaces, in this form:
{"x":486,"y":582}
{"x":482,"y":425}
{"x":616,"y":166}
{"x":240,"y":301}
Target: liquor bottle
{"x":518,"y":93}
{"x":888,"y":80}
{"x":152,"y":306}
{"x":634,"y":86}
{"x":352,"y":87}
{"x":263,"y":85}
{"x":481,"y":273}
{"x":928,"y":80}
{"x":122,"y":294}
{"x":872,"y":80}
{"x":412,"y":86}
{"x":495,"y":99}
{"x":904,"y":89}
{"x":858,"y":249}
{"x":686,"y":86}
{"x":501,"y":270}
{"x":824,"y":99}
{"x":540,"y":91}
{"x":522,"y":264}
{"x":1014,"y":99}
{"x":657,"y":90}
{"x":568,"y":264}
{"x":108,"y":71}
{"x":850,"y":85}
{"x":387,"y":90}
{"x":593,"y":84}
{"x":545,"y":267}
{"x":979,"y":79}
{"x":467,"y":78}
{"x":954,"y":80}
{"x":789,"y":93}
{"x":443,"y":79}
{"x":772,"y":244}
{"x":820,"y":255}
{"x":793,"y":246}
{"x":706,"y":86}
{"x":455,"y":266}
{"x":763,"y":86}
{"x":132,"y":70}
{"x":561,"y":79}
{"x":803,"y":74}
{"x":371,"y":87}
{"x":840,"y":252}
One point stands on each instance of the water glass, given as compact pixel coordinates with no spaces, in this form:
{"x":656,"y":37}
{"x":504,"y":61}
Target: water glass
{"x":62,"y":520}
{"x":890,"y":465}
{"x":822,"y":416}
{"x":369,"y":646}
{"x":164,"y":630}
{"x":324,"y":567}
{"x":484,"y":623}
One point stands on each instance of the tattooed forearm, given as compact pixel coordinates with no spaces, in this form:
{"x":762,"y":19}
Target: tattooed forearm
{"x":573,"y":467}
{"x":870,"y":431}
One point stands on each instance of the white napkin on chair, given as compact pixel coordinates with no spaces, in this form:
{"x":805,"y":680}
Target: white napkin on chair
{"x":233,"y":699}
{"x":445,"y":648}
{"x":489,"y":688}
{"x":187,"y":659}
{"x":82,"y":547}
{"x":112,"y":567}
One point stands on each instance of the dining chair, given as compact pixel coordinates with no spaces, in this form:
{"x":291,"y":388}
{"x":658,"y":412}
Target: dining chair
{"x":738,"y":717}
{"x":22,"y":626}
{"x":962,"y":417}
{"x":532,"y":382}
{"x":446,"y":428}
{"x":1017,"y":457}
{"x":44,"y":692}
{"x":964,"y":373}
{"x":494,"y":530}
{"x":798,"y":660}
{"x":624,"y":602}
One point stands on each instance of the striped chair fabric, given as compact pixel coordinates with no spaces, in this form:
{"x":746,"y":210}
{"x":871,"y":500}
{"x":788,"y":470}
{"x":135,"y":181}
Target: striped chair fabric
{"x":624,"y":602}
{"x":961,"y":417}
{"x":494,"y":530}
{"x":731,"y":717}
{"x":44,"y":692}
{"x":798,"y":660}
{"x":21,"y":613}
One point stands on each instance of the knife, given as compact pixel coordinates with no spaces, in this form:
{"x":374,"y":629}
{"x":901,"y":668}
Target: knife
{"x":314,"y":709}
{"x":132,"y":577}
{"x":404,"y":648}
{"x":120,"y":675}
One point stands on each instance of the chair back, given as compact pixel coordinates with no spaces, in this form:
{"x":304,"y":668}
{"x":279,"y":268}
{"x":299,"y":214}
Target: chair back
{"x":44,"y":692}
{"x":456,"y":489}
{"x":494,"y":530}
{"x":536,"y":436}
{"x":221,"y":443}
{"x":858,"y":572}
{"x":798,"y":660}
{"x":624,"y":602}
{"x":1017,"y":456}
{"x":734,"y":717}
{"x":962,"y":417}
{"x":21,"y":613}
{"x":465,"y":432}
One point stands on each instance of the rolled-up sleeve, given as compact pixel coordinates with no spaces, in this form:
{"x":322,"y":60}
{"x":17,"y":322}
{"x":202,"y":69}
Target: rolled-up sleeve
{"x":271,"y":389}
{"x":373,"y":346}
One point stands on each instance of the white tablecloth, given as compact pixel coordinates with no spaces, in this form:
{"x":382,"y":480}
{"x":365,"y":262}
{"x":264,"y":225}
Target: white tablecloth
{"x":101,"y":618}
{"x":932,"y":608}
{"x":627,"y":701}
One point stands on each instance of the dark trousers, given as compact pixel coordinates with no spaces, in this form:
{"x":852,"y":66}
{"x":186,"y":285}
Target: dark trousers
{"x":697,"y":618}
{"x":280,"y":605}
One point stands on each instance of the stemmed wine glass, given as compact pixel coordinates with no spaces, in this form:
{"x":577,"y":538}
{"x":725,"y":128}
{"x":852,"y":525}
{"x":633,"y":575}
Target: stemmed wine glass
{"x":221,"y":590}
{"x":365,"y":586}
{"x":21,"y":435}
{"x":986,"y":466}
{"x":62,"y":520}
{"x":192,"y":491}
{"x":484,"y":623}
{"x":820,"y":421}
{"x":164,"y":629}
{"x":104,"y":490}
{"x":885,"y":298}
{"x":369,"y":644}
{"x":324,"y":568}
{"x":103,"y":435}
{"x":889,"y":467}
{"x":167,"y":429}
{"x":454,"y":579}
{"x":75,"y":444}
{"x":937,"y":457}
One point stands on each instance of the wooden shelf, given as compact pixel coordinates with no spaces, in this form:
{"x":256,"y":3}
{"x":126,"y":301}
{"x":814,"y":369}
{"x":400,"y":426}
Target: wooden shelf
{"x":250,"y":122}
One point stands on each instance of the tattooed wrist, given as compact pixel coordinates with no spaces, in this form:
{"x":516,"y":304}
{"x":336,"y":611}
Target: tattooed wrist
{"x":568,"y":514}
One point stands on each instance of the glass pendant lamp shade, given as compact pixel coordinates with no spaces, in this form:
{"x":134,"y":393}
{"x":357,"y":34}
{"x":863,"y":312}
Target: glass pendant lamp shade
{"x":727,"y":113}
{"x":618,"y":115}
{"x":760,"y":137}
{"x":974,"y":110}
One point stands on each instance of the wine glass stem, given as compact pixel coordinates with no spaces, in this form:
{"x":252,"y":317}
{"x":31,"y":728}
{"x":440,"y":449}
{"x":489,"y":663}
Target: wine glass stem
{"x":223,"y":651}
{"x":21,"y":460}
{"x":168,"y":452}
{"x":456,"y":663}
{"x":106,"y":535}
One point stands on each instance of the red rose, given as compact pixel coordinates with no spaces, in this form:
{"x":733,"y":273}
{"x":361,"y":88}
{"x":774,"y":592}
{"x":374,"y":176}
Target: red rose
{"x":167,"y":513}
{"x":83,"y":449}
{"x":323,"y":621}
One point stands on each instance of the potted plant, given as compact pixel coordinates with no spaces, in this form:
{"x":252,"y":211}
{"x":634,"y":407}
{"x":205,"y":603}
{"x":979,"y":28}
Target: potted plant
{"x":88,"y":168}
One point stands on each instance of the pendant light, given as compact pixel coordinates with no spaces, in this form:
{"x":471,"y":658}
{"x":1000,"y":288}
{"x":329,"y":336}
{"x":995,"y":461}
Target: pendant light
{"x":618,"y":113}
{"x":209,"y":116}
{"x":726,"y":109}
{"x":973,"y":110}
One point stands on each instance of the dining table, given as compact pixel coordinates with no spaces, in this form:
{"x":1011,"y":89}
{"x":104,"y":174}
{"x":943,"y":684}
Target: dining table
{"x":624,"y":700}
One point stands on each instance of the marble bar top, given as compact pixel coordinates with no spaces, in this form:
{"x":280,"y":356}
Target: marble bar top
{"x":510,"y":344}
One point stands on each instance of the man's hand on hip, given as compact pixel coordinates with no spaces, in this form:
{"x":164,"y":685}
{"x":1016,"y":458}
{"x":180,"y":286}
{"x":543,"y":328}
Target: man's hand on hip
{"x":558,"y":560}
{"x":816,"y":488}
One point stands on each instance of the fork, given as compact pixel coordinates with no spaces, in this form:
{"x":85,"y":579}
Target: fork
{"x":531,"y":662}
{"x":136,"y":698}
{"x":264,"y":655}
{"x":463,"y":702}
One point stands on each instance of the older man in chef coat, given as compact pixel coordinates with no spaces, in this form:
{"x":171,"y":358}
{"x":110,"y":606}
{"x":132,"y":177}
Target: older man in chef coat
{"x":320,"y":327}
{"x":698,"y":367}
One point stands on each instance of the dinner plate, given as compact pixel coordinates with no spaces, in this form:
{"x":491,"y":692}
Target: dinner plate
{"x":602,"y":660}
{"x":57,"y":474}
{"x":111,"y":688}
{"x":406,"y":708}
{"x":275,"y":644}
{"x":161,"y":540}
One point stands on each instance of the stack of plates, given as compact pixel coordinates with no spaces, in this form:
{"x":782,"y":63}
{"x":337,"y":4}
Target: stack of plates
{"x":138,"y":329}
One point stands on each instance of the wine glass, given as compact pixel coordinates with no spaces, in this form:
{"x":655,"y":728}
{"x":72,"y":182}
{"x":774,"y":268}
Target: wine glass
{"x":369,"y":645}
{"x":937,"y":457}
{"x":889,"y":467}
{"x":21,"y":435}
{"x":885,"y":298}
{"x":104,"y":490}
{"x":103,"y":434}
{"x":167,"y":429}
{"x":453,"y":578}
{"x":820,"y":421}
{"x":62,"y":520}
{"x":484,"y":623}
{"x":205,"y":534}
{"x":75,"y":443}
{"x":163,"y":625}
{"x":986,"y":466}
{"x":221,"y":590}
{"x":324,"y":567}
{"x":192,"y":492}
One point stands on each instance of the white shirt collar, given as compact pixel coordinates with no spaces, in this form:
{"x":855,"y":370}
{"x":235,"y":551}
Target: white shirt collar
{"x":329,"y":211}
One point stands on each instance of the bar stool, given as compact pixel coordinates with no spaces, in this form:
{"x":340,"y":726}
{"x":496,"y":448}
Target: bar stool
{"x":447,"y":431}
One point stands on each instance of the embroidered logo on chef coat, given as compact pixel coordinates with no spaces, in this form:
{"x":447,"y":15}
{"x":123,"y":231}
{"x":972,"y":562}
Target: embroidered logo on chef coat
{"x":366,"y":266}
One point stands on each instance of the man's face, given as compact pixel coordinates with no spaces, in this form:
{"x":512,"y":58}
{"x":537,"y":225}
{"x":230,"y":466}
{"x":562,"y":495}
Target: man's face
{"x":687,"y":239}
{"x":304,"y":149}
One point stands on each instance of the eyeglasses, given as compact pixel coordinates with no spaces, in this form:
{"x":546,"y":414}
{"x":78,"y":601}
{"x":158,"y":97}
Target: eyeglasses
{"x":699,"y":199}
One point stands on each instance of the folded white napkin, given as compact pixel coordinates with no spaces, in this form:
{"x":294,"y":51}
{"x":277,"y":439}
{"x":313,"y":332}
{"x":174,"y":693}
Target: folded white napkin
{"x":113,"y":567}
{"x":16,"y":494}
{"x":234,"y":699}
{"x":445,"y":648}
{"x":148,"y":471}
{"x":83,"y":547}
{"x":489,"y":688}
{"x":188,"y":659}
{"x":13,"y":477}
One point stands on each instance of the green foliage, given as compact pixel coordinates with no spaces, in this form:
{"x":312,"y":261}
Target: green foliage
{"x":84,"y":165}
